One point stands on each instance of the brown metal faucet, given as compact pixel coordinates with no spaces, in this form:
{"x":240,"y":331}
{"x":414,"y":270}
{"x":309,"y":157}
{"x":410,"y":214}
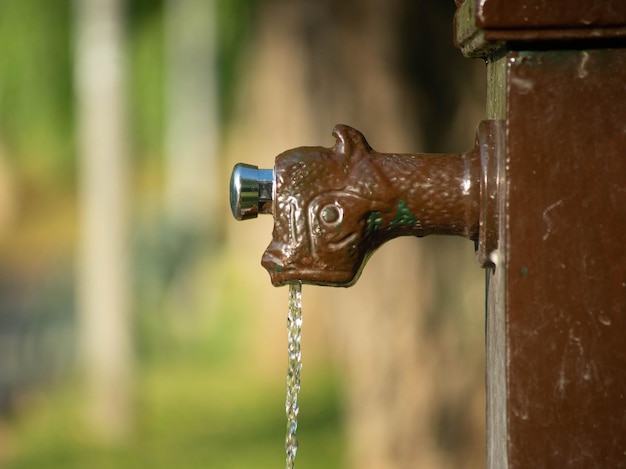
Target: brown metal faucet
{"x":333,"y":207}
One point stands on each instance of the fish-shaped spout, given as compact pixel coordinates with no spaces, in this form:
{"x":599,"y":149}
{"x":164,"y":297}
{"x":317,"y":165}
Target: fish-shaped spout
{"x":333,"y":207}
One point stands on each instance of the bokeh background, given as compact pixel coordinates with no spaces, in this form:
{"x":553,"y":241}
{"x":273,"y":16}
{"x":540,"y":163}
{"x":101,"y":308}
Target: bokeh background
{"x":137,"y":327}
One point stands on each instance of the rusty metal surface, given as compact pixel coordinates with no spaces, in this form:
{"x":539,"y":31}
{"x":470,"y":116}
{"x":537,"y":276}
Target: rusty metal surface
{"x":565,"y":262}
{"x":334,"y":206}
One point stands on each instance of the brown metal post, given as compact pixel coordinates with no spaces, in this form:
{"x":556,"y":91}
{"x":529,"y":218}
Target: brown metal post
{"x":556,"y":319}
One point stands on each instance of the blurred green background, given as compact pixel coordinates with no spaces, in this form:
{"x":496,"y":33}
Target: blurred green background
{"x":205,"y":84}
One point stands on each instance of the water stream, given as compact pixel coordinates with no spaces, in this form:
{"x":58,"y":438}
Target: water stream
{"x":294,"y":329}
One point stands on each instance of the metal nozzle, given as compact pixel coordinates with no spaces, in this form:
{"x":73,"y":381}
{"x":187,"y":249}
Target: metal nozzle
{"x":251,"y":191}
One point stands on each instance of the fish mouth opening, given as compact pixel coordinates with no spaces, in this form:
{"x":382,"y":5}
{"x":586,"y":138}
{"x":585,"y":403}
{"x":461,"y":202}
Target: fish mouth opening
{"x":283,"y":273}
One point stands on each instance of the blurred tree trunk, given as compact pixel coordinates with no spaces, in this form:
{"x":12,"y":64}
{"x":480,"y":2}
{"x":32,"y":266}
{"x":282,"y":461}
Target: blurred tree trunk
{"x":192,"y":128}
{"x":409,"y":334}
{"x":104,"y":279}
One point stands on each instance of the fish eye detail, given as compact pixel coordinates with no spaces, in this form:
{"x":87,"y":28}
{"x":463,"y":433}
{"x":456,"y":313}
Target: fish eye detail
{"x":331,"y":215}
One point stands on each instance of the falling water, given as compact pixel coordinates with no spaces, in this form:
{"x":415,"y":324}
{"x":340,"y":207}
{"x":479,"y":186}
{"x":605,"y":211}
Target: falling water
{"x":294,"y":328}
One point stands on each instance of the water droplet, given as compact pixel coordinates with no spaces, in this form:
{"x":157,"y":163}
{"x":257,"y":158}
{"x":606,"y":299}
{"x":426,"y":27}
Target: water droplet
{"x":604,"y":319}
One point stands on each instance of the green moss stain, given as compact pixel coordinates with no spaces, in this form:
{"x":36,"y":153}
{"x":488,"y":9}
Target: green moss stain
{"x":374,"y":222}
{"x":404,"y":217}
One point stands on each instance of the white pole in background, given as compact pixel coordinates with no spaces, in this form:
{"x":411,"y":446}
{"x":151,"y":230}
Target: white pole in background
{"x":103,"y":274}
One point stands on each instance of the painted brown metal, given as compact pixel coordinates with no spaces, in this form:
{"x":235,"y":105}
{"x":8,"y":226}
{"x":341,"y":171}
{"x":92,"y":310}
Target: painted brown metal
{"x":556,"y":316}
{"x":481,"y":25}
{"x":565,"y":258}
{"x":334,"y":206}
{"x":549,"y":14}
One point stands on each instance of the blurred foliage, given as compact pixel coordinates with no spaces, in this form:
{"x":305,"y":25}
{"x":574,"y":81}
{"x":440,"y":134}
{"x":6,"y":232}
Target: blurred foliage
{"x":235,"y":28}
{"x":199,"y":402}
{"x":36,"y":85}
{"x":192,"y":417}
{"x":146,"y":76}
